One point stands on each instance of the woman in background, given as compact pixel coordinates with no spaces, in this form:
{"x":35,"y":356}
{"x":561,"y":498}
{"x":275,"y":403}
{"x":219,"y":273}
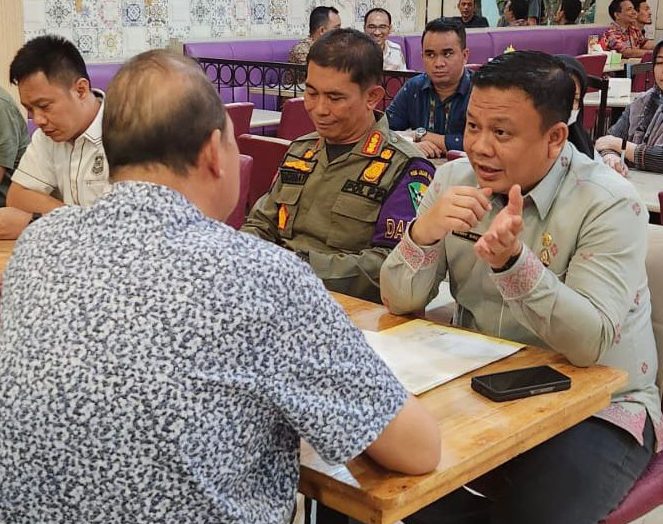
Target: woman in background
{"x":641,"y":125}
{"x":577,"y":134}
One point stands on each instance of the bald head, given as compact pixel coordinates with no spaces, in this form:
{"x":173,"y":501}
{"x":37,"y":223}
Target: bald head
{"x":160,"y":110}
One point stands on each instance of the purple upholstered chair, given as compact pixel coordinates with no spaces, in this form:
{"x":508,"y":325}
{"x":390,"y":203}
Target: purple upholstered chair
{"x":241,"y":113}
{"x":267,"y":153}
{"x":295,"y":121}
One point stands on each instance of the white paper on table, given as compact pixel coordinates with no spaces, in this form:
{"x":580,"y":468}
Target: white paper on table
{"x":424,"y":355}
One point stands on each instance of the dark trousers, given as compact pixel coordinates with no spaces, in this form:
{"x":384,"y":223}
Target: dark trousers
{"x":577,"y":477}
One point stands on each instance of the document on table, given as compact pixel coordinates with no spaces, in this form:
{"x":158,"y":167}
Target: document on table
{"x":424,"y":355}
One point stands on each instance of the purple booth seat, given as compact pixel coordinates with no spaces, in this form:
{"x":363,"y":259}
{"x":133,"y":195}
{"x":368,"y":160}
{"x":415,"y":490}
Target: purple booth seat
{"x":267,"y":153}
{"x":252,"y":50}
{"x":568,"y":40}
{"x":647,"y":493}
{"x":295,"y":121}
{"x":102,"y":74}
{"x":241,"y":113}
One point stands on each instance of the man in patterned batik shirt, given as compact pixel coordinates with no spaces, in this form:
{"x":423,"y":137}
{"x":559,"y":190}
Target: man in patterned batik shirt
{"x":153,"y":368}
{"x":623,"y":35}
{"x":545,"y":246}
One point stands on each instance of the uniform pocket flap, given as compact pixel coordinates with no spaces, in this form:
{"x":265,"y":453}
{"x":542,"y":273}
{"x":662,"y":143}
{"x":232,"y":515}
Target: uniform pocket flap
{"x":356,"y":207}
{"x":288,"y":195}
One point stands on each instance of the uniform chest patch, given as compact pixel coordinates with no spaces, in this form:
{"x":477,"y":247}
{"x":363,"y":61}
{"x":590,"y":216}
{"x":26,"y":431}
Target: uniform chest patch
{"x":374,"y":171}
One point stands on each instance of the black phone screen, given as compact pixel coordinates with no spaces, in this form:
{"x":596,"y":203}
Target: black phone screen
{"x":519,"y":383}
{"x":524,"y":378}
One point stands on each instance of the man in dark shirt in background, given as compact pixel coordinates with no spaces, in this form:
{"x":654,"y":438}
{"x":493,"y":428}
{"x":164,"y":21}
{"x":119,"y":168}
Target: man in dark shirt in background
{"x":468,"y":15}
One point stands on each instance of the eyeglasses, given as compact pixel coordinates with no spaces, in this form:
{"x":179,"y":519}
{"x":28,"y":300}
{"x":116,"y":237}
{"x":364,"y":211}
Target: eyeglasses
{"x":382,"y":28}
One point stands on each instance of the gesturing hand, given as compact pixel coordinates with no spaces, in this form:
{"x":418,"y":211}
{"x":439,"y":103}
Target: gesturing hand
{"x":460,"y":208}
{"x":497,"y":245}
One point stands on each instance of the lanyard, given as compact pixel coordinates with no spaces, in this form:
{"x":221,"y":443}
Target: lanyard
{"x":446,"y":107}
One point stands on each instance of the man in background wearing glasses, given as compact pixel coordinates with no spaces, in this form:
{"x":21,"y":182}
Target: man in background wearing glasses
{"x":377,"y":25}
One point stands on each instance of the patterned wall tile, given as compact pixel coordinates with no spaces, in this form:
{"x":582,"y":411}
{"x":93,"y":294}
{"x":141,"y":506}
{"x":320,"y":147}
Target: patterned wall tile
{"x":156,"y":13}
{"x":59,"y":13}
{"x":157,"y":37}
{"x":110,"y":13}
{"x":88,"y":16}
{"x":110,"y":44}
{"x":87,"y":41}
{"x":117,"y":29}
{"x":133,"y":13}
{"x":259,"y":12}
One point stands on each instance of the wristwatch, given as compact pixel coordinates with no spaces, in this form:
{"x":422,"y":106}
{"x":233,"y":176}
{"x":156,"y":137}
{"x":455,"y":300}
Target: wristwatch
{"x":419,"y":134}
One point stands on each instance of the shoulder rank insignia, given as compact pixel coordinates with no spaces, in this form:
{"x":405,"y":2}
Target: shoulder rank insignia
{"x":387,"y":153}
{"x":299,"y":165}
{"x":309,"y":154}
{"x":374,"y":171}
{"x":373,"y":143}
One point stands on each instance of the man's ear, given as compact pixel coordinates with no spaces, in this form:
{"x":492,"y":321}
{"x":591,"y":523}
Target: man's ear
{"x":82,"y":87}
{"x":375,"y":96}
{"x":557,"y":136}
{"x":209,"y":158}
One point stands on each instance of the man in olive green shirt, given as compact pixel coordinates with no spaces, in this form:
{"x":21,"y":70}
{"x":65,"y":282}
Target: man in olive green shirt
{"x":545,"y":246}
{"x":14,"y":140}
{"x":344,"y":194}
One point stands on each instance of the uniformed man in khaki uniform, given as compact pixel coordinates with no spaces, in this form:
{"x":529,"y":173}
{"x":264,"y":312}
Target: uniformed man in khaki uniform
{"x":344,"y":194}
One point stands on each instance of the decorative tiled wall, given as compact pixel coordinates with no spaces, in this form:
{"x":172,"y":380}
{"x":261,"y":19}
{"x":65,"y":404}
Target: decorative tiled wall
{"x":117,"y":29}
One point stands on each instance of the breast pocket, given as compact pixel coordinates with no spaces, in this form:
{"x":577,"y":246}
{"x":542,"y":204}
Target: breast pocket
{"x":352,"y":222}
{"x":287,"y":205}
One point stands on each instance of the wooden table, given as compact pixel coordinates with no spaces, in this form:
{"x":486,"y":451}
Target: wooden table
{"x":6,"y":248}
{"x":648,"y":186}
{"x":264,"y":117}
{"x":477,"y":434}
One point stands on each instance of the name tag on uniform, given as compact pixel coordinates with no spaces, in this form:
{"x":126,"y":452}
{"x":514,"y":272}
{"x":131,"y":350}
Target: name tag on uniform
{"x":467,"y":235}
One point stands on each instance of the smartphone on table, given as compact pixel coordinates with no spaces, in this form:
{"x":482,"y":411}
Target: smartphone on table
{"x":520,"y":383}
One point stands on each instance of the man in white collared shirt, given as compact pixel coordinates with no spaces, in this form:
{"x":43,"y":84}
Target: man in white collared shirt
{"x":65,"y":164}
{"x":377,"y":25}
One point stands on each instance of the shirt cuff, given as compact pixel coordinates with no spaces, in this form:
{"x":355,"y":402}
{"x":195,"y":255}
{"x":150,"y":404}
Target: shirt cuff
{"x":639,"y":156}
{"x":521,"y":278}
{"x":454,"y":142}
{"x":414,"y":255}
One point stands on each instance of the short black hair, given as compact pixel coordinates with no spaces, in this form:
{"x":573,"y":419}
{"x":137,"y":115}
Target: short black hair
{"x":655,"y":52}
{"x":52,"y":55}
{"x":519,"y":8}
{"x":571,"y":9}
{"x":446,"y":25}
{"x":319,"y":17}
{"x":376,"y":10}
{"x":160,"y":110}
{"x":544,"y":79}
{"x":615,"y":7}
{"x":350,"y":51}
{"x":636,"y":3}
